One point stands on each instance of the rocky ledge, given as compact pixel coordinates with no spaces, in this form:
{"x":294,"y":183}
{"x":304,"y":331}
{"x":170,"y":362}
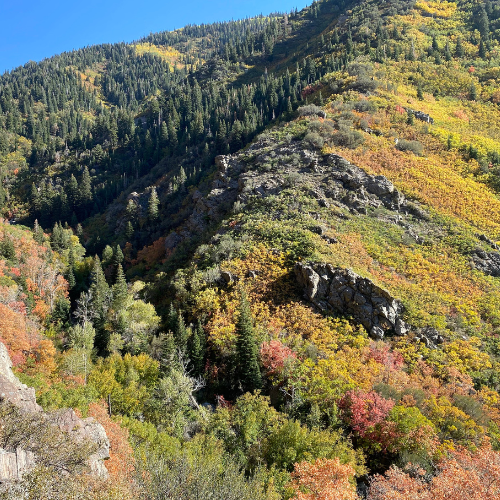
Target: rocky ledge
{"x":342,"y":290}
{"x":14,"y":462}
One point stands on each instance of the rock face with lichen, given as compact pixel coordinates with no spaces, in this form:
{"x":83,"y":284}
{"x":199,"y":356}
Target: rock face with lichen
{"x":16,"y":461}
{"x":342,"y":290}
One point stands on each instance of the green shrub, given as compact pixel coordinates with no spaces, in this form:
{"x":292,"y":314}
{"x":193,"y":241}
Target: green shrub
{"x":310,"y":110}
{"x":414,"y":146}
{"x":347,"y":138}
{"x":314,"y":139}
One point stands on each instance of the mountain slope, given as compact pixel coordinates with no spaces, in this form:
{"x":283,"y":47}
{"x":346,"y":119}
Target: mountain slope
{"x":310,"y":201}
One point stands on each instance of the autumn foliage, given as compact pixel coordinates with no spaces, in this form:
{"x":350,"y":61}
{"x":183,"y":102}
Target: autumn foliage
{"x":463,"y":475}
{"x":324,"y":479}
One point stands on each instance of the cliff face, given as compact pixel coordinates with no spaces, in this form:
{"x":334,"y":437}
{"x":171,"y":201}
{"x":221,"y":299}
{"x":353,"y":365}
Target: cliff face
{"x":15,"y":460}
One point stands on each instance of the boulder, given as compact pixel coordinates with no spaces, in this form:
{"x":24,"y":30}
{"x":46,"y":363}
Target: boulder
{"x":348,"y":293}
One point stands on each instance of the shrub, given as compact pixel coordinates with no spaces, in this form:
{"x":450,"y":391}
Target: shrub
{"x":414,"y":146}
{"x":315,"y":139}
{"x":364,"y":84}
{"x":347,"y":138}
{"x":311,"y":110}
{"x":364,"y":106}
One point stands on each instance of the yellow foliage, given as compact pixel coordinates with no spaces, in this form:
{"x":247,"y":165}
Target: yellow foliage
{"x":437,"y":8}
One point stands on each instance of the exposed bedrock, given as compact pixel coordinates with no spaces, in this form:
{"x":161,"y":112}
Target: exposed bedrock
{"x":342,"y":290}
{"x":14,"y":462}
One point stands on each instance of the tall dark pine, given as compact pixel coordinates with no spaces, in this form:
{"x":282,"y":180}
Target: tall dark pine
{"x":197,"y":349}
{"x":99,"y":289}
{"x":248,"y":370}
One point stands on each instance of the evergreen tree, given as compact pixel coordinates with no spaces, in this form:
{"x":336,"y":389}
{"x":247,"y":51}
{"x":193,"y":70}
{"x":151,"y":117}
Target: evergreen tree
{"x":247,"y":362}
{"x":473,"y":92}
{"x":459,"y":49}
{"x":38,"y":235}
{"x":197,"y":349}
{"x":119,"y":289}
{"x":153,"y":204}
{"x":85,"y":190}
{"x":117,"y":256}
{"x":483,"y":24}
{"x":71,"y":265}
{"x":99,"y":291}
{"x":180,"y":333}
{"x":420,"y":92}
{"x":447,"y":52}
{"x":129,"y":230}
{"x":482,"y":49}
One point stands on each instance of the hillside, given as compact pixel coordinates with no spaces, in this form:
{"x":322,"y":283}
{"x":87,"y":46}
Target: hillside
{"x":269,"y":249}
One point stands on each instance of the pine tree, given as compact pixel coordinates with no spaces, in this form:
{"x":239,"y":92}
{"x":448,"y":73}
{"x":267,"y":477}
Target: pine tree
{"x":409,"y":118}
{"x":119,"y":289}
{"x":459,"y":49}
{"x":420,"y":92}
{"x":99,"y":290}
{"x":129,"y":230}
{"x":197,"y":349}
{"x":153,"y":204}
{"x":180,"y":333}
{"x":248,"y":370}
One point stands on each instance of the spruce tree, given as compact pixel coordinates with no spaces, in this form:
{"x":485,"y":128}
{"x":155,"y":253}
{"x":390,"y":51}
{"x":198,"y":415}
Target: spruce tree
{"x":153,"y":204}
{"x":180,"y":333}
{"x":197,"y":349}
{"x":119,"y":289}
{"x":248,"y":370}
{"x":99,"y":290}
{"x":459,"y":49}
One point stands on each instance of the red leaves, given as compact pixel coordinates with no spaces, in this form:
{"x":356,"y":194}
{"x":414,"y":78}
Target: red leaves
{"x":273,"y":356}
{"x":381,"y":353}
{"x":364,"y":410}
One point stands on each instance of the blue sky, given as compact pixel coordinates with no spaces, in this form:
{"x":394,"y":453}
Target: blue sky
{"x":35,"y":29}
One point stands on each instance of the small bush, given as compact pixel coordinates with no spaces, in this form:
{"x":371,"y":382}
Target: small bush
{"x":364,"y":84}
{"x":414,"y":146}
{"x":348,"y":138}
{"x":315,"y":139}
{"x":364,"y":106}
{"x":311,"y":110}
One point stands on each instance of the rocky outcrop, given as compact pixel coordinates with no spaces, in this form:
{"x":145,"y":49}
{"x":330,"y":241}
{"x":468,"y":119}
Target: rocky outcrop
{"x":487,"y":262}
{"x":266,"y":169}
{"x":344,"y":291}
{"x":14,"y":462}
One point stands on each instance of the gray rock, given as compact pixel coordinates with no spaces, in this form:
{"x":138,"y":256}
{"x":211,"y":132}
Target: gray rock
{"x":487,"y":262}
{"x":377,"y":333}
{"x":15,"y":462}
{"x":228,"y":277}
{"x":348,"y":293}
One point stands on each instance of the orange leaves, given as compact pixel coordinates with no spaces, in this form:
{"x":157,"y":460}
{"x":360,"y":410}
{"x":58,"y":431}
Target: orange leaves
{"x":325,"y":479}
{"x":151,"y":255}
{"x":13,"y":334}
{"x":461,"y":476}
{"x":121,"y":463}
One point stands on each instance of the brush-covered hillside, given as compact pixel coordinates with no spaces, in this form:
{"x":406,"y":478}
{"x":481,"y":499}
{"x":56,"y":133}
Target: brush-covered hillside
{"x":265,"y":254}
